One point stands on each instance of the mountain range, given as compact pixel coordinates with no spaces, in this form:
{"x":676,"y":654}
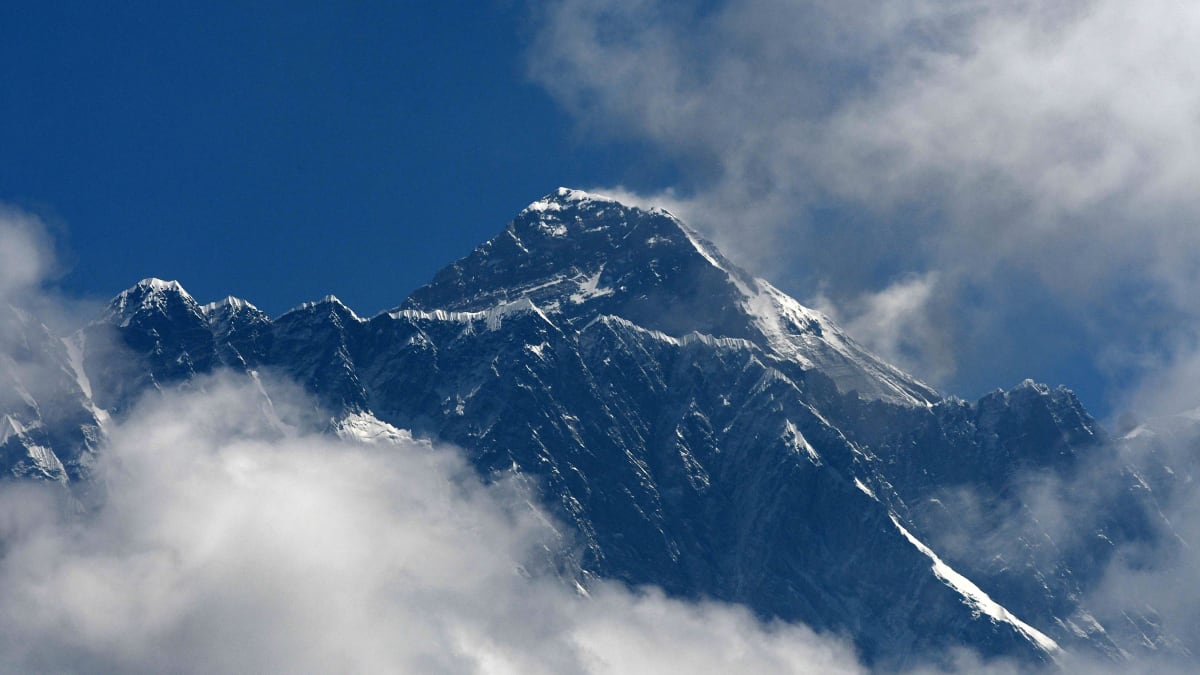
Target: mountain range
{"x":694,"y":427}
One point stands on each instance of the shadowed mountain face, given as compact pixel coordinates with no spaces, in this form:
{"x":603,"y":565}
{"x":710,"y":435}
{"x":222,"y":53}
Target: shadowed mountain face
{"x":694,"y":427}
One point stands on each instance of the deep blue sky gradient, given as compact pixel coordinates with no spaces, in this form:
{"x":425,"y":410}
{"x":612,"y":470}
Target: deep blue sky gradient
{"x":277,"y":153}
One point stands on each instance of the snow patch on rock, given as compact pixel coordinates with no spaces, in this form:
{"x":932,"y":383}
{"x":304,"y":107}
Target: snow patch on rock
{"x":974,"y":597}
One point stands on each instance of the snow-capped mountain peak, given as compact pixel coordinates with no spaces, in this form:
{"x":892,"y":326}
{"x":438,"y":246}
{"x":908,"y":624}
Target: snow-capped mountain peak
{"x":578,"y":256}
{"x":332,"y":302}
{"x":150,"y":296}
{"x":229,"y":304}
{"x":563,"y":196}
{"x":691,"y":426}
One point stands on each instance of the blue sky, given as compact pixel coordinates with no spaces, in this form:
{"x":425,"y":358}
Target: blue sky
{"x":980,"y":191}
{"x":281,"y":152}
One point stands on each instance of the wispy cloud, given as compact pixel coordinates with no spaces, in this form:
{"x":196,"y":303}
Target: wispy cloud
{"x":26,"y":254}
{"x":896,"y":323}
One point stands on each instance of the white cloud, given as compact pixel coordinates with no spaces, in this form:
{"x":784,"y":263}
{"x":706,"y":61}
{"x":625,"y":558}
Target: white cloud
{"x":1040,"y":158}
{"x":232,"y":541}
{"x":26,"y":254}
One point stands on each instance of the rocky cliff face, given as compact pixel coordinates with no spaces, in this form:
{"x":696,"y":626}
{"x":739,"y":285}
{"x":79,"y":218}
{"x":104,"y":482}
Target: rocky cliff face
{"x":695,"y":428}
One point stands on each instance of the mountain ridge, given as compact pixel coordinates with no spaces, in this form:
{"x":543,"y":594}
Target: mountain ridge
{"x":696,"y":428}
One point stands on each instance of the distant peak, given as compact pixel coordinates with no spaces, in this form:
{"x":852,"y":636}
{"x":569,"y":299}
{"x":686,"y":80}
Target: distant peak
{"x":150,"y":295}
{"x":327,"y":300}
{"x":159,"y":285}
{"x":1030,"y":388}
{"x":1028,"y":384}
{"x":234,"y":304}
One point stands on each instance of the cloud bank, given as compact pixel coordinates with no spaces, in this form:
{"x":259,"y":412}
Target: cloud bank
{"x":234,"y":541}
{"x":1034,"y":162}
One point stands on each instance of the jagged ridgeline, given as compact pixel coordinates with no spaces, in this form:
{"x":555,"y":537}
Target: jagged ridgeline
{"x":696,"y":428}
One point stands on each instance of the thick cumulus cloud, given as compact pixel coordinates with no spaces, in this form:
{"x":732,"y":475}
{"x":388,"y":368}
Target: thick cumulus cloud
{"x":1035,"y":162}
{"x":233,"y":541}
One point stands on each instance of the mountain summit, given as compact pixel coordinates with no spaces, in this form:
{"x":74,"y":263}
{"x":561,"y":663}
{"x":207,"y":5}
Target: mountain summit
{"x":694,"y":427}
{"x":583,"y":256}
